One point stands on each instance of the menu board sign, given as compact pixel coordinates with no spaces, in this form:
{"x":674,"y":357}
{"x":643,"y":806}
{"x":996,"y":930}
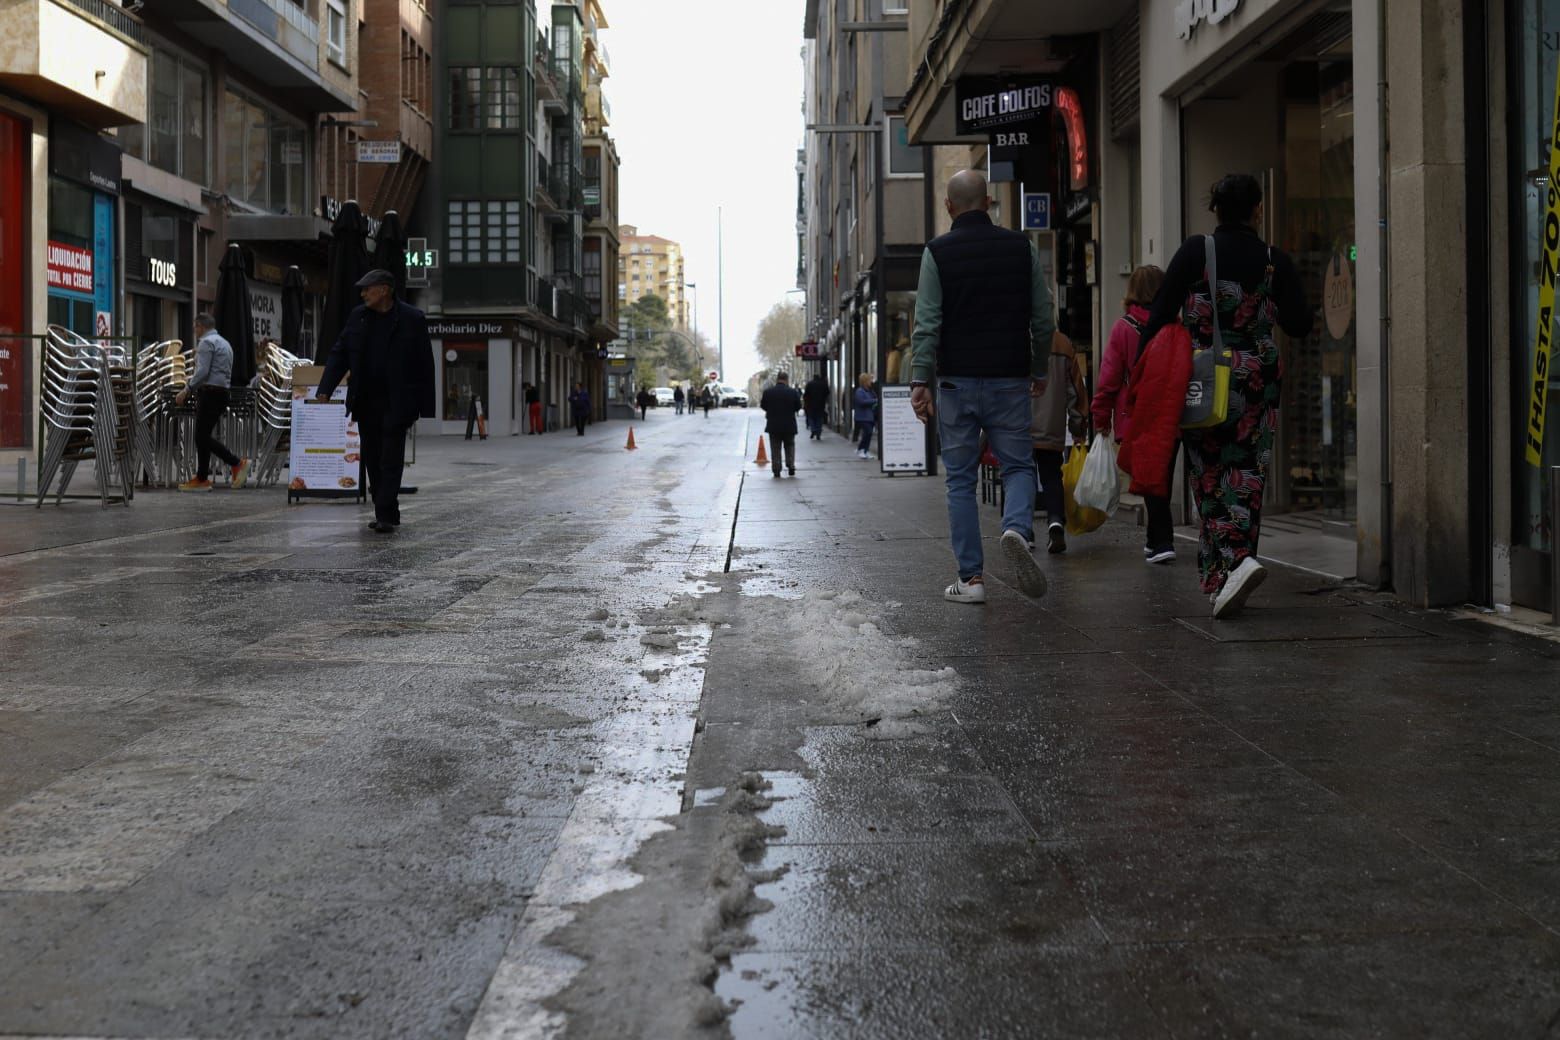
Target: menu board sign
{"x":325,"y":447}
{"x":904,"y":436}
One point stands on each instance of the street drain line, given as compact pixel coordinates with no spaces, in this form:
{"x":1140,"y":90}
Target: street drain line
{"x":736,"y":511}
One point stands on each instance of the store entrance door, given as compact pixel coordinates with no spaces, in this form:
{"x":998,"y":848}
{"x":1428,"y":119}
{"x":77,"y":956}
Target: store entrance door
{"x":1316,"y":467}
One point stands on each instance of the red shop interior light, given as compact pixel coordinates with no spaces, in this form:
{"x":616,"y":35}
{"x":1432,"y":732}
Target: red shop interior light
{"x":1071,"y":108}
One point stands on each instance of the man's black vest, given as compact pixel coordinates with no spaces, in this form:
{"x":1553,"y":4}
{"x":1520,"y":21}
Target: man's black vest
{"x":986,"y":286}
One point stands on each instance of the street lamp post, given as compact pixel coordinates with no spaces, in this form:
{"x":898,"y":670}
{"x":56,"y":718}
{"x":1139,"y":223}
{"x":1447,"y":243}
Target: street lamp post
{"x":695,"y":287}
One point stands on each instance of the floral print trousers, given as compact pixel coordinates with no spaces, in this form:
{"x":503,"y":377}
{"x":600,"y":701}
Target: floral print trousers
{"x":1228,"y":466}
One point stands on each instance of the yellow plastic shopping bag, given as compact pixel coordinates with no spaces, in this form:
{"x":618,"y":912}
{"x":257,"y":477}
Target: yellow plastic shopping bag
{"x":1080,"y":519}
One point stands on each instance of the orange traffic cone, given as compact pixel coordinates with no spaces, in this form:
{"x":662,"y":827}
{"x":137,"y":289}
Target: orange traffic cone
{"x":630,"y":446}
{"x":763,"y":459}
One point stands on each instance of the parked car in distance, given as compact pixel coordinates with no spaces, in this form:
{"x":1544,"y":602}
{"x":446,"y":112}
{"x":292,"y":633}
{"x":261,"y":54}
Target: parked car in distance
{"x":730,"y":395}
{"x":663,"y":396}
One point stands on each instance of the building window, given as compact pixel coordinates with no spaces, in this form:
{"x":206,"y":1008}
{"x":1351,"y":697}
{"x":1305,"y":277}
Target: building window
{"x":904,"y":159}
{"x":266,"y":156}
{"x":465,"y":97}
{"x":501,"y":103}
{"x":336,"y":32}
{"x":174,"y":137}
{"x":485,"y":98}
{"x":484,"y":231}
{"x":591,"y":269}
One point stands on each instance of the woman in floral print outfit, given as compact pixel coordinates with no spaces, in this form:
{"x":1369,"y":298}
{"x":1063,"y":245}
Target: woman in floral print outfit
{"x":1258,"y":289}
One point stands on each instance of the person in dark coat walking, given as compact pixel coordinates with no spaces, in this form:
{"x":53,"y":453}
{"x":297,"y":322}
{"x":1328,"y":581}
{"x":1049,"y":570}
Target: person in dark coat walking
{"x":706,"y":399}
{"x":579,"y":407}
{"x":780,"y":403}
{"x":644,"y":399}
{"x":385,"y":345}
{"x":678,"y":399}
{"x":815,"y":404}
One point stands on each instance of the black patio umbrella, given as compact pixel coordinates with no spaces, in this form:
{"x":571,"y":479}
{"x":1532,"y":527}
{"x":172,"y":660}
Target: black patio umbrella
{"x":231,"y":311}
{"x":390,"y":250}
{"x":348,"y":263}
{"x":292,"y":311}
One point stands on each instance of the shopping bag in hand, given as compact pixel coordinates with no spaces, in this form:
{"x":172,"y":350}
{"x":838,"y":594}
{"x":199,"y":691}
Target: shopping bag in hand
{"x":1080,"y":519}
{"x":1099,"y":487}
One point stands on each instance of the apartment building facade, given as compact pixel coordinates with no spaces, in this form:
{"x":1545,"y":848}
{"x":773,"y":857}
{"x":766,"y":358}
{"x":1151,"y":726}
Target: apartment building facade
{"x":134,"y":147}
{"x":650,"y":265}
{"x":508,"y":307}
{"x":600,"y":195}
{"x":1403,"y":147}
{"x":865,"y":211}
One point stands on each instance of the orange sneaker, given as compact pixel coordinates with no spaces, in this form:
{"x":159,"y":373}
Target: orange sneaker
{"x":195,"y":485}
{"x":241,"y":473}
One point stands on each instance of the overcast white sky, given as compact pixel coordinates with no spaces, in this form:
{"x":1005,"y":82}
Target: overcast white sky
{"x":706,"y":100}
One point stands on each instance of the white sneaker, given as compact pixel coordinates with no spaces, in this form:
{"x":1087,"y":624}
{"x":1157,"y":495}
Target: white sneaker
{"x":1240,"y":584}
{"x":1031,"y":579}
{"x":973,"y":591}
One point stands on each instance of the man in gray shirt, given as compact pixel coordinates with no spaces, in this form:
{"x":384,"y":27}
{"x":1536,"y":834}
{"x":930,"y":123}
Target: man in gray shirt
{"x":209,"y":386}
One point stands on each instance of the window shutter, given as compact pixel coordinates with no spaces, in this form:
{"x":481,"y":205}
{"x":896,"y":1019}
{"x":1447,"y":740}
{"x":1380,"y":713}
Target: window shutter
{"x":1125,"y":79}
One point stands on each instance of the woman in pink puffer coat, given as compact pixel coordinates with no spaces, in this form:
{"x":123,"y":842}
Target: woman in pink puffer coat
{"x":1109,"y":408}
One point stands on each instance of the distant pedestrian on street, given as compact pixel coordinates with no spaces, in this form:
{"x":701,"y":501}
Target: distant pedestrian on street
{"x":864,"y":413}
{"x":1109,"y":407}
{"x":579,"y":407}
{"x":983,"y":325}
{"x":1257,"y":289}
{"x":644,"y":399}
{"x":533,"y":407}
{"x":210,"y":383}
{"x":1055,"y":410}
{"x":780,"y":403}
{"x":815,"y":404}
{"x":706,"y":399}
{"x":384,"y":345}
{"x":678,"y":399}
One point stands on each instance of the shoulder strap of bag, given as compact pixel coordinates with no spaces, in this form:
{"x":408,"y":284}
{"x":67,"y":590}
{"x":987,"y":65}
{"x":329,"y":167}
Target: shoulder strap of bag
{"x":1212,"y":259}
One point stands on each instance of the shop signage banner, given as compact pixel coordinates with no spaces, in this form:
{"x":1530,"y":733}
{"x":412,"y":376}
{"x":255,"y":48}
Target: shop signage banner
{"x":1037,"y":211}
{"x":904,"y":436}
{"x":985,"y":103}
{"x":105,"y":218}
{"x":69,"y":268}
{"x":808,"y":350}
{"x":1188,"y":13}
{"x":478,"y":328}
{"x":1533,"y":434}
{"x":325,"y":447}
{"x":265,"y":307}
{"x":379,"y":152}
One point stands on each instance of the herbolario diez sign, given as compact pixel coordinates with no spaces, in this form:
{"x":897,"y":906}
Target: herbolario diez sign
{"x":986,"y":103}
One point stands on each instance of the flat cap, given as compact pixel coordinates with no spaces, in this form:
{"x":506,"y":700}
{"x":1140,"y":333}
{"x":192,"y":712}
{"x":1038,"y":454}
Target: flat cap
{"x":378,"y":276}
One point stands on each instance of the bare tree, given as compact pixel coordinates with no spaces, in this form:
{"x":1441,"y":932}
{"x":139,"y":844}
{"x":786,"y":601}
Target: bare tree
{"x":780,"y":331}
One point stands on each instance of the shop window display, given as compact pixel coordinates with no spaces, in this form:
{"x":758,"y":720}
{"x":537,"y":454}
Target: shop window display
{"x":1539,"y":42}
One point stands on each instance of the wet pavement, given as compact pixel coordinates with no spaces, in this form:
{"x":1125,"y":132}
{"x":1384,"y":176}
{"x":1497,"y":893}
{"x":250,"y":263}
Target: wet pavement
{"x":609,"y":743}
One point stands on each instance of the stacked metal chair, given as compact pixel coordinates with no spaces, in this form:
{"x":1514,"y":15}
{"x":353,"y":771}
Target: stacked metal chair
{"x":273,"y":407}
{"x":161,"y":372}
{"x":86,"y":388}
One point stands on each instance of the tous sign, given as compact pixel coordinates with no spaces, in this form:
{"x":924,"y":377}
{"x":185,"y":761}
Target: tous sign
{"x":164,"y":272}
{"x":1189,"y":12}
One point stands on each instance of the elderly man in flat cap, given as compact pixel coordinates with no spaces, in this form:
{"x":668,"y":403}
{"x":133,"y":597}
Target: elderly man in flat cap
{"x":385,"y":346}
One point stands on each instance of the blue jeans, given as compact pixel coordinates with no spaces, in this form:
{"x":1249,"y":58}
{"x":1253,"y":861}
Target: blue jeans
{"x":864,"y":427}
{"x":1000,"y":407}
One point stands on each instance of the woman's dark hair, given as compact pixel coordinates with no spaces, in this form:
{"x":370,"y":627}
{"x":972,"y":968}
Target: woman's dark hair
{"x":1235,"y":198}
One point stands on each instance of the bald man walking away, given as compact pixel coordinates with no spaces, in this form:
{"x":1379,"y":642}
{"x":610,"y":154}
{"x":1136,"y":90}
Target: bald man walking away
{"x":983,"y":327}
